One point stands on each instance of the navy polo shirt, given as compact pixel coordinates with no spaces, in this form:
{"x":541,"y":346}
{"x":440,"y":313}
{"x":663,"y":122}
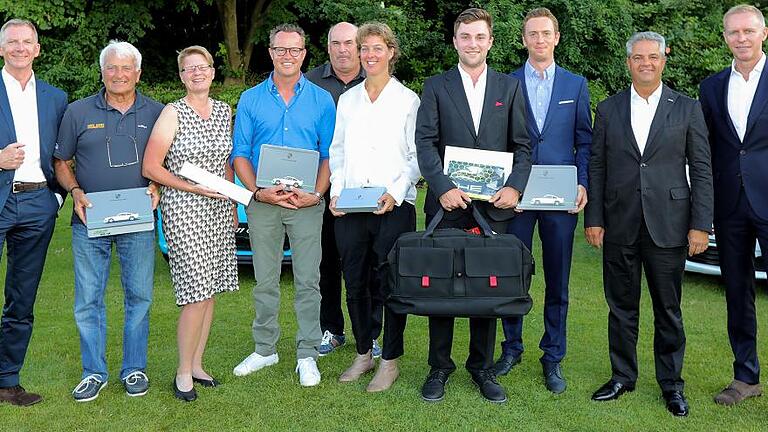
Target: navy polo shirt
{"x":107,"y":145}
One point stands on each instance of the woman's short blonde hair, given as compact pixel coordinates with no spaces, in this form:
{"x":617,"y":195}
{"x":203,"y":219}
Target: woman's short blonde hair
{"x":191,"y":50}
{"x":382,"y":30}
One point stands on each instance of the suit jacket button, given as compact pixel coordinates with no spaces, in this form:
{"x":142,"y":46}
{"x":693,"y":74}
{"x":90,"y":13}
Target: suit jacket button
{"x":643,"y":165}
{"x":742,"y":152}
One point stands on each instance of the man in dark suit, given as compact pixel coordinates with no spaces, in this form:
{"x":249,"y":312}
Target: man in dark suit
{"x":470,"y":106}
{"x":30,"y":113}
{"x":734,"y":103}
{"x":642,"y":209}
{"x":560,"y":127}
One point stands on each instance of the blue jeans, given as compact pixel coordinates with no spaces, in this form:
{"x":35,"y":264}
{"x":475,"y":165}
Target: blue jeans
{"x":92,"y":257}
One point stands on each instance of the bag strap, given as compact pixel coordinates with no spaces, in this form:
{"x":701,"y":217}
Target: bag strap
{"x":481,"y":222}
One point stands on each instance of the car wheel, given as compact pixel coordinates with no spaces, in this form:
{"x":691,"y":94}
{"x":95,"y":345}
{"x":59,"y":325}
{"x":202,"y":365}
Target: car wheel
{"x":536,"y":202}
{"x":110,"y":220}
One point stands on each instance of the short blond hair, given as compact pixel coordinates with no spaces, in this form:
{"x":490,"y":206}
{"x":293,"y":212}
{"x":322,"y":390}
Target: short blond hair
{"x":744,"y":8}
{"x":383,"y":31}
{"x":192,"y":50}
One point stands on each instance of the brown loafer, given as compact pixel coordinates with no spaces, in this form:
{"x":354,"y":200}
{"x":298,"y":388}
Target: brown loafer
{"x":16,"y":395}
{"x":737,"y":391}
{"x":363,"y":363}
{"x":386,"y":375}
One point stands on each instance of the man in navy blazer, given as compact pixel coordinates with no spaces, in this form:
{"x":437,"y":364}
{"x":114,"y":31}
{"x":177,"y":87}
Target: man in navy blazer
{"x":560,"y":127}
{"x":472,"y":106}
{"x":735,"y":103}
{"x":30,"y":113}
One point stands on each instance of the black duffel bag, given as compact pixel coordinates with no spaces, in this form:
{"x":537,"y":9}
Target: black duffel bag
{"x":453,"y":273}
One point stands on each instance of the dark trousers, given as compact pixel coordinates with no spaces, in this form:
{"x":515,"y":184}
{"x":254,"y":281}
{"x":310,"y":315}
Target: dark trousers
{"x":364,"y":240}
{"x":331,"y":316}
{"x":622,"y":266}
{"x":26,"y":226}
{"x":556,"y":233}
{"x":736,"y":237}
{"x":482,"y":331}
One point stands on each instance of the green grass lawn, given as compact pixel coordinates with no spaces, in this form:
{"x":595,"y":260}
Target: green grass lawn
{"x":272,"y":399}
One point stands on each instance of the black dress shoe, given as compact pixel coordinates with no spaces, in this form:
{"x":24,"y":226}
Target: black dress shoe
{"x":491,"y":390}
{"x":206,"y":382}
{"x":553,"y":377}
{"x":611,"y":390}
{"x":676,"y":403}
{"x":505,"y":363}
{"x":186,"y":396}
{"x":433,"y":389}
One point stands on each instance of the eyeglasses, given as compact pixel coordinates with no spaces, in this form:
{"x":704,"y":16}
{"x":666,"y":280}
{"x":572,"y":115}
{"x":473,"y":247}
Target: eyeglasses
{"x":280,"y":51}
{"x":201,"y":67}
{"x":119,"y":147}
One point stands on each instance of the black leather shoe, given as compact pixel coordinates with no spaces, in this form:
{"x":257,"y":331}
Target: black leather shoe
{"x":553,"y":377}
{"x":491,"y":390}
{"x":611,"y":390}
{"x":433,"y":389}
{"x":205,"y":382}
{"x":186,"y":396}
{"x":676,"y":403}
{"x":505,"y":363}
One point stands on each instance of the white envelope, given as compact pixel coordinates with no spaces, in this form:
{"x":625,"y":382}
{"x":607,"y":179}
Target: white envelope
{"x":212,"y":181}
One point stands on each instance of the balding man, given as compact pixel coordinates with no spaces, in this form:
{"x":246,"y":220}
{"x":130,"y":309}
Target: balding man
{"x":341,"y":73}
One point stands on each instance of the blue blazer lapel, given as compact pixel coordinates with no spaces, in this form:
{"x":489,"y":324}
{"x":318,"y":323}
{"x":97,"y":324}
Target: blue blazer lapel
{"x":666,"y":102}
{"x":554,"y":98}
{"x":758,"y":103}
{"x":625,"y":113}
{"x":530,"y":119}
{"x":724,"y":108}
{"x":46,"y":150}
{"x":7,"y":117}
{"x":489,"y":100}
{"x":455,"y":89}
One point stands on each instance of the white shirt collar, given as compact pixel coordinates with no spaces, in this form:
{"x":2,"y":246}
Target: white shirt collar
{"x":9,"y":80}
{"x":465,"y":75}
{"x":758,"y":69}
{"x":652,"y":99}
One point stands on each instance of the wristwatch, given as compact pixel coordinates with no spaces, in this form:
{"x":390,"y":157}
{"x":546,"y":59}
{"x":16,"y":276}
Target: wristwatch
{"x":319,"y":197}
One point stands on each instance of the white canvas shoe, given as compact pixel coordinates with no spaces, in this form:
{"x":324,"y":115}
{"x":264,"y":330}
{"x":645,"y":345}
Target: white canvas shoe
{"x":254,"y":362}
{"x":309,"y":375}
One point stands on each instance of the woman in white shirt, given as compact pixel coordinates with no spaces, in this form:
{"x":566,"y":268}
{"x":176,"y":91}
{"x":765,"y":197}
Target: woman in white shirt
{"x":373,"y":146}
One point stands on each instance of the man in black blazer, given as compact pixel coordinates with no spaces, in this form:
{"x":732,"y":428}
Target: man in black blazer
{"x":30,"y":114}
{"x":470,"y":106}
{"x":734,"y":102}
{"x":642,"y":209}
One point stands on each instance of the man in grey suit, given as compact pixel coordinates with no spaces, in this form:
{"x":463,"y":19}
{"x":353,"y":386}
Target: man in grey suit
{"x":644,"y":212}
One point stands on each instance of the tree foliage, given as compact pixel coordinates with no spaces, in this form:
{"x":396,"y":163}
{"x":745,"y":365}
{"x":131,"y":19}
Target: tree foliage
{"x":593,"y":35}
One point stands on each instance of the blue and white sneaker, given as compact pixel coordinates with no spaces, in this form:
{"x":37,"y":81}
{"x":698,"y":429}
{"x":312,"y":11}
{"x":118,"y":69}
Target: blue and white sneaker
{"x":330,"y":342}
{"x":376,"y":349}
{"x":88,"y":389}
{"x":136,"y":384}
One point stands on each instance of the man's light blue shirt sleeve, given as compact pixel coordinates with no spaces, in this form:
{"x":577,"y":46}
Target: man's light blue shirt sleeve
{"x":326,"y":125}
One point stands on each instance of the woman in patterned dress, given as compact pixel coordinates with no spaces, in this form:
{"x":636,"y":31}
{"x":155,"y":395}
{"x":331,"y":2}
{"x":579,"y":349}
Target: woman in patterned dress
{"x":198,"y":222}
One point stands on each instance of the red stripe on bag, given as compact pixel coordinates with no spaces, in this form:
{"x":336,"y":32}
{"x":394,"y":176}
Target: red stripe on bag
{"x":492,"y":282}
{"x":425,"y":281}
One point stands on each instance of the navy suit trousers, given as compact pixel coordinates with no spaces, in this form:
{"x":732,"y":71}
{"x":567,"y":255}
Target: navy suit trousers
{"x":26,"y":226}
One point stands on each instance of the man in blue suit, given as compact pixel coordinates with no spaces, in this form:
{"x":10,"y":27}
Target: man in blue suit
{"x":734,"y":102}
{"x":559,"y":125}
{"x":30,"y":113}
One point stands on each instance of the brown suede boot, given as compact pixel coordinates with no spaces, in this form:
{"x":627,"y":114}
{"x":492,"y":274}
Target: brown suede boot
{"x":16,"y":395}
{"x":737,"y":391}
{"x":362,"y":364}
{"x":386,"y":375}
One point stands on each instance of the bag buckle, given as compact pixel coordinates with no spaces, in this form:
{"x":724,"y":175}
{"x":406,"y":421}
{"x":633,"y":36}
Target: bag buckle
{"x":425,"y":281}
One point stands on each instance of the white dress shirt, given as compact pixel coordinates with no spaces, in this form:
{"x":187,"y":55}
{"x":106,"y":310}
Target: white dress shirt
{"x":374,"y":142}
{"x":740,"y":95}
{"x":643,"y":112}
{"x":24,"y":111}
{"x":475,"y":94}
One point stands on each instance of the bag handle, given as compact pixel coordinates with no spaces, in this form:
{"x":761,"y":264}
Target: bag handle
{"x":481,"y":222}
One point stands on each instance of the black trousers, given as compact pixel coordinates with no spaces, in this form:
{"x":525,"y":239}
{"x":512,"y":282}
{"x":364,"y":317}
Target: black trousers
{"x":736,"y":236}
{"x":622,"y":266}
{"x":331,"y":316}
{"x":26,"y":227}
{"x":482,"y":331}
{"x":364,"y":240}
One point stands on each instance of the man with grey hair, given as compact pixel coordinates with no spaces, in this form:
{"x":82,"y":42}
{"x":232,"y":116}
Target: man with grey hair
{"x":646,"y":216}
{"x":30,"y":113}
{"x":104,"y":137}
{"x":734,"y":102}
{"x":338,"y":75}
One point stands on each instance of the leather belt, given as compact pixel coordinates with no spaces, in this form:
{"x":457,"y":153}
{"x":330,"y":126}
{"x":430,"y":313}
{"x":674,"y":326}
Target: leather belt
{"x":28,"y":186}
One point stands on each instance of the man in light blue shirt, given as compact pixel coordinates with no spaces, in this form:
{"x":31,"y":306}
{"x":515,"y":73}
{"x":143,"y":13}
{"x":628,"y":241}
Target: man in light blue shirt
{"x":539,"y":85}
{"x":287,"y":110}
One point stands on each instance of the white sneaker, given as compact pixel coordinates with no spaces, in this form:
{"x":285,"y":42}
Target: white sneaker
{"x":308,"y":374}
{"x":254,"y":362}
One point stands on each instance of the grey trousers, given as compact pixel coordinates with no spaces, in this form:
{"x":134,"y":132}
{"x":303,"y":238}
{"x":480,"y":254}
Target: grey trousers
{"x":268,"y":225}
